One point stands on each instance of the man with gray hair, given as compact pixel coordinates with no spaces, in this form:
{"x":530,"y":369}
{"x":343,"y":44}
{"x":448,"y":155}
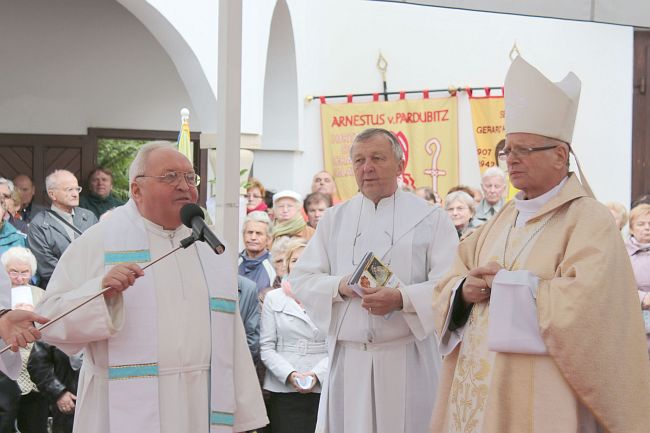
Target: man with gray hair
{"x":255,"y":260}
{"x":493,"y":184}
{"x":168,"y":354}
{"x":539,"y":318}
{"x":383,"y":357}
{"x":51,"y":231}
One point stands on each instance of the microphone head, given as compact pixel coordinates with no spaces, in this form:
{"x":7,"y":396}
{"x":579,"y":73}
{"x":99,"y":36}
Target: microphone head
{"x":189,"y":212}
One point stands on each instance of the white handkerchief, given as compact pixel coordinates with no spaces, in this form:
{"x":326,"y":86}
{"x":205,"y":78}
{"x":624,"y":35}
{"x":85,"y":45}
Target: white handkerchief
{"x":21,"y":295}
{"x":304,"y":382}
{"x":512,"y":325}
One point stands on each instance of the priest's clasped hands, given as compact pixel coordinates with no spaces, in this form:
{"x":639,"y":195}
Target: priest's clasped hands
{"x":377,"y":300}
{"x":478,"y":283}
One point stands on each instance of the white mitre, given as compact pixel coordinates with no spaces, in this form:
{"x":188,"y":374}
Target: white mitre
{"x":536,"y":105}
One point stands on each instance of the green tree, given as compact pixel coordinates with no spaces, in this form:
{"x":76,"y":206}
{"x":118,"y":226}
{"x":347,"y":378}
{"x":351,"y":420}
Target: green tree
{"x":117,"y":154}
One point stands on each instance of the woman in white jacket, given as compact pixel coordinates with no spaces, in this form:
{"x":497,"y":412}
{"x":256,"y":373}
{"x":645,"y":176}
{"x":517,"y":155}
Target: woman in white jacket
{"x":295,"y":354}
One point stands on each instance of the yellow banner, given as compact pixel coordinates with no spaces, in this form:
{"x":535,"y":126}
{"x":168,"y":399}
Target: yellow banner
{"x":427,"y":130}
{"x":488,"y":120}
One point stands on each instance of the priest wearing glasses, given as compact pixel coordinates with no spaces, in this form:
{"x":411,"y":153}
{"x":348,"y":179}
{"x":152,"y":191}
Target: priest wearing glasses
{"x":165,"y":350}
{"x":383,"y":356}
{"x":539,"y":319}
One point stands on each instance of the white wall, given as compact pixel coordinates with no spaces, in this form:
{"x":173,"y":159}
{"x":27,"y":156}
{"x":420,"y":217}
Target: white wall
{"x":433,"y":48}
{"x":74,"y":64}
{"x":627,"y":12}
{"x":196,"y":21}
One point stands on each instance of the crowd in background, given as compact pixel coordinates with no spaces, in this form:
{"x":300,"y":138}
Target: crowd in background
{"x":33,"y":236}
{"x":276,"y":221}
{"x":290,"y":352}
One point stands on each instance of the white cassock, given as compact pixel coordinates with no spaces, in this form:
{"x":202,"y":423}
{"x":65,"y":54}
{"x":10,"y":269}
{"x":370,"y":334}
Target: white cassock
{"x":184,"y":338}
{"x":383,"y":372}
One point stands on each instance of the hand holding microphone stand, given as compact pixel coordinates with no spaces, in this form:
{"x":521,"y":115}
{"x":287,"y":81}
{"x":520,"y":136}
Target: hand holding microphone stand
{"x":193,"y":217}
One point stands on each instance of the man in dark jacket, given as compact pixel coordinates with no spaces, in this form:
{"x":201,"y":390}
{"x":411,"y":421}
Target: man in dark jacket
{"x":51,"y":231}
{"x":27,"y":207}
{"x":254,"y":260}
{"x":56,"y":377}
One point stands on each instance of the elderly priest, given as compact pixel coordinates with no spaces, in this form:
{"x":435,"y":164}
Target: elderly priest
{"x":539,"y":318}
{"x":383,"y":356}
{"x":169,"y":354}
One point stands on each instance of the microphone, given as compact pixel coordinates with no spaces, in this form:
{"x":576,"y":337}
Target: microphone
{"x":193,"y":217}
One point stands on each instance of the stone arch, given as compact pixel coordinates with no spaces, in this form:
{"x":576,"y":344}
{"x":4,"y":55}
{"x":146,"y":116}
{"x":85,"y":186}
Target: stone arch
{"x":280,"y":125}
{"x":185,"y":60}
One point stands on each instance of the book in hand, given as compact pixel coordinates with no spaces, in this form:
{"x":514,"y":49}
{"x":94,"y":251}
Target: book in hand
{"x":371,"y":272}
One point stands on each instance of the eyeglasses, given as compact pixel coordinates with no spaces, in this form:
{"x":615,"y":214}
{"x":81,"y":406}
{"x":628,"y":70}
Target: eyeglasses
{"x":253,"y":196}
{"x":14,"y":274}
{"x":174,"y":178}
{"x":70,"y":190}
{"x":524,"y":151}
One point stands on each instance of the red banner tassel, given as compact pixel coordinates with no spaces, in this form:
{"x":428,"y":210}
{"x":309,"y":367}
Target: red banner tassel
{"x":402,"y":95}
{"x":349,"y":99}
{"x":469,"y":91}
{"x":375,"y":97}
{"x":487,"y":91}
{"x":323,"y":100}
{"x":425,"y":93}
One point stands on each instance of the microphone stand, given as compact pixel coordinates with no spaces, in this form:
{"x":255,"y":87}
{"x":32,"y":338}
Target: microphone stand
{"x":183,"y":244}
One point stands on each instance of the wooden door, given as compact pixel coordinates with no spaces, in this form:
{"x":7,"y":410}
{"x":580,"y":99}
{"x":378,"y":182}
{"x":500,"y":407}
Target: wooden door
{"x":641,"y":115}
{"x":37,"y":155}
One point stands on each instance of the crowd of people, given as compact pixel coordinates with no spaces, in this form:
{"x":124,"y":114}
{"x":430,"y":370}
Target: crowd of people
{"x":500,"y":317}
{"x":33,"y":237}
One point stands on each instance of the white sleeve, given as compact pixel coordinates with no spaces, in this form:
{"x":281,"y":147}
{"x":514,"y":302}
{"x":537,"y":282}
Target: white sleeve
{"x":76,"y":278}
{"x":10,"y":363}
{"x":321,"y":369}
{"x":311,"y":278}
{"x":440,"y":257}
{"x":274,"y":362}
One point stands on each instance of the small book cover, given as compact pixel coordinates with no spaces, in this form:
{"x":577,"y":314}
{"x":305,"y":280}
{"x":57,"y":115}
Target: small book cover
{"x":371,"y":272}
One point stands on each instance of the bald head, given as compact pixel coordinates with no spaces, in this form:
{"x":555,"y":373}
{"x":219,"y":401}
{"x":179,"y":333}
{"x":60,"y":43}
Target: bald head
{"x":26,"y":188}
{"x":63,"y":189}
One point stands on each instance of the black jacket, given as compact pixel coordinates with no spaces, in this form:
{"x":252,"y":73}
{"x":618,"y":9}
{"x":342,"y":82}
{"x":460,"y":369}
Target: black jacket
{"x":50,"y":370}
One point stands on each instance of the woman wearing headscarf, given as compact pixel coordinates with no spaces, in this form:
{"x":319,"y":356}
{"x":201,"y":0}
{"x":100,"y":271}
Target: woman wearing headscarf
{"x":288,"y":218}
